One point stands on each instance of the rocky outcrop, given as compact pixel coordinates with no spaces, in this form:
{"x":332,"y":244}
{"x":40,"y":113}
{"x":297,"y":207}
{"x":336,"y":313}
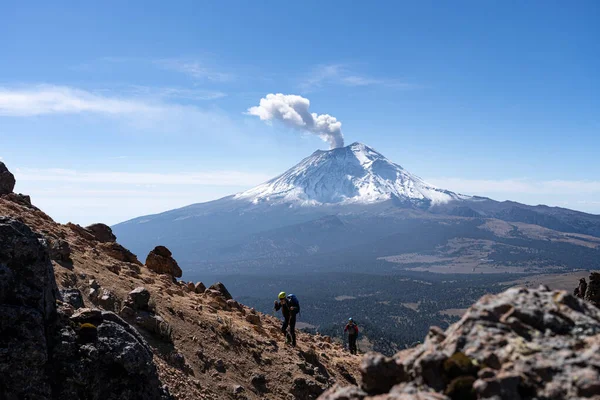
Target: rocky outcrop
{"x":137,"y":311}
{"x":60,"y":250}
{"x":199,"y":288}
{"x":27,"y":307}
{"x":72,"y":297}
{"x":160,"y":260}
{"x":219,"y":287}
{"x":589,"y":292}
{"x":592,"y":294}
{"x":103,"y":357}
{"x":50,"y":352}
{"x":7,"y":180}
{"x":520,"y":344}
{"x":102,"y":233}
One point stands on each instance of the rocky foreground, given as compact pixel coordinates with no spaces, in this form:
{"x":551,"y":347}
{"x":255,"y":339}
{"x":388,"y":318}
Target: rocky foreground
{"x":520,"y":344}
{"x":82,"y":318}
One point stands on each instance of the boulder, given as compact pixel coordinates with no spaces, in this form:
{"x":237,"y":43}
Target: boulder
{"x":27,"y":306}
{"x":88,"y":355}
{"x":253,"y":319}
{"x":72,"y":297}
{"x":522,"y":343}
{"x":48,"y":353}
{"x":199,"y":288}
{"x":592,"y":293}
{"x":380,"y":373}
{"x":103,"y":233}
{"x":60,"y":250}
{"x":19,"y":198}
{"x":303,"y":389}
{"x":259,"y":382}
{"x":138,"y":299}
{"x":219,"y":287}
{"x":7,"y":180}
{"x":160,"y":261}
{"x":108,"y":300}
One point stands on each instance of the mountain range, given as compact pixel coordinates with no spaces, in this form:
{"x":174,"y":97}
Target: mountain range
{"x":351,"y":208}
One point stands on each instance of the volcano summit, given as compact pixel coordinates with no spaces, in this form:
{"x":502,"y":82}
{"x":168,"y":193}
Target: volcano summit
{"x":354,"y":202}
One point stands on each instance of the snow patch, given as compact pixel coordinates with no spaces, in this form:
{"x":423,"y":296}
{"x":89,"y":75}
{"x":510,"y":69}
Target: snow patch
{"x":353,"y":174}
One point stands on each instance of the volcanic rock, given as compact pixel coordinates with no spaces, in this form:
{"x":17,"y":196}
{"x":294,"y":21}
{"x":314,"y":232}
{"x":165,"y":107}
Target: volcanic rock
{"x":592,"y":294}
{"x":44,"y":353}
{"x":219,"y":287}
{"x":519,"y":344}
{"x":7,"y":180}
{"x":102,"y":233}
{"x":160,"y":261}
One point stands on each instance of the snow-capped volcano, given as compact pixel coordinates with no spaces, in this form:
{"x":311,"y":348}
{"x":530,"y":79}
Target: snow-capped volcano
{"x":347,"y":175}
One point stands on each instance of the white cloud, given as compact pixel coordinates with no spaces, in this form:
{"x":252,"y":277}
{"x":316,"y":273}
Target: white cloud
{"x":46,"y":99}
{"x":195,"y":69}
{"x":292,"y":110}
{"x":339,"y":74}
{"x":148,"y":114}
{"x":213,"y":178}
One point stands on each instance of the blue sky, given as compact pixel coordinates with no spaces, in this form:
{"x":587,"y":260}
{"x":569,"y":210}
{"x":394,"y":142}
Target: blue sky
{"x":113,"y":110}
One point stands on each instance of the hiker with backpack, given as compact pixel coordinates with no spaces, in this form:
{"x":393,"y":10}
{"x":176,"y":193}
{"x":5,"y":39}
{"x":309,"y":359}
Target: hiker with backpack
{"x":289,"y":305}
{"x":352,"y":330}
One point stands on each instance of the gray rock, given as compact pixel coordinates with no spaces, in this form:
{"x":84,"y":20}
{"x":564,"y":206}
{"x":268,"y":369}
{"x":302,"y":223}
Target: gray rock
{"x":7,"y":180}
{"x":522,"y":343}
{"x":199,"y":288}
{"x":103,"y":233}
{"x":219,"y":287}
{"x":60,"y":250}
{"x":253,"y":319}
{"x":108,"y":300}
{"x":380,"y":373}
{"x":72,"y":297}
{"x":304,"y":388}
{"x":47,"y":355}
{"x":259,"y":382}
{"x":160,"y":261}
{"x":138,"y":298}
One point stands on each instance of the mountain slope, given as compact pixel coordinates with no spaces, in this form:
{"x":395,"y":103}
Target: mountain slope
{"x":204,"y":344}
{"x":351,"y":174}
{"x":373,"y":198}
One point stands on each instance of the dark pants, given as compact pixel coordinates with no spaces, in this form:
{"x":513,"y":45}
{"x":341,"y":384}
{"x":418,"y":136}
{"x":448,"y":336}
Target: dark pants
{"x":352,"y":343}
{"x":291,"y":321}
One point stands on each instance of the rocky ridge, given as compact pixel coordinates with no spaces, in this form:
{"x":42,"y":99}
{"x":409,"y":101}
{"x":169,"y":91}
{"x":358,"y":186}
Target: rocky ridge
{"x":73,"y":300}
{"x":98,"y":305}
{"x":519,"y":344}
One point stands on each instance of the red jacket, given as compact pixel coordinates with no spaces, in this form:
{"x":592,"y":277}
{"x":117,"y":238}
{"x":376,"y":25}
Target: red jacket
{"x":349,"y":326}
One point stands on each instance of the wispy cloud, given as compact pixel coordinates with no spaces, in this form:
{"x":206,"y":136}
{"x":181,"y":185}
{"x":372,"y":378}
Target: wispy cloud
{"x":47,"y":99}
{"x":211,"y":178}
{"x":520,"y":186}
{"x":143,"y":113}
{"x":341,"y":74}
{"x":195,"y":69}
{"x":176,"y":93}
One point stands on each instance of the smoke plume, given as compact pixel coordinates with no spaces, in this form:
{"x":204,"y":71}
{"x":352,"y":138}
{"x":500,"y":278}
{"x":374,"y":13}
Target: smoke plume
{"x":292,"y":110}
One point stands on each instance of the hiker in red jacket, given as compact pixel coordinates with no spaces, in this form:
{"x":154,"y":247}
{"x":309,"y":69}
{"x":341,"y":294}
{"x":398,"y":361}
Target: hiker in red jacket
{"x":352,"y":330}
